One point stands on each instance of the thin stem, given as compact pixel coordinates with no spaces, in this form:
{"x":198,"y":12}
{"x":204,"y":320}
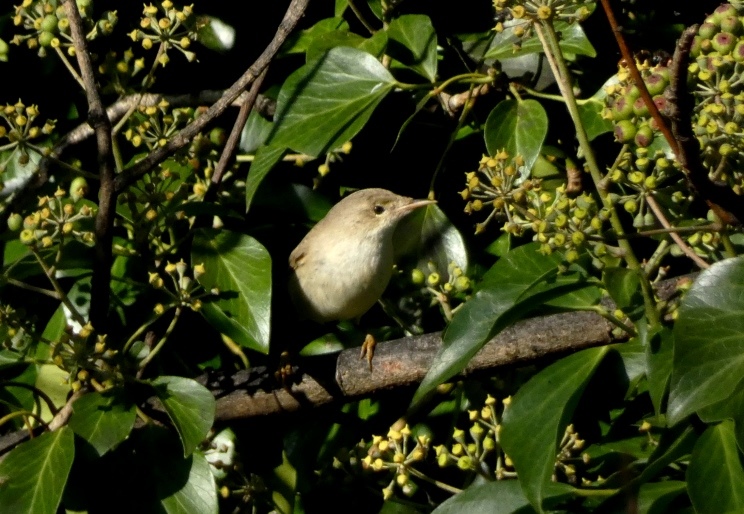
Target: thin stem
{"x":441,"y":485}
{"x":25,"y":414}
{"x":689,"y":252}
{"x":549,"y":41}
{"x":360,"y":16}
{"x":35,"y":289}
{"x":70,"y":68}
{"x":58,"y":288}
{"x":38,"y":392}
{"x":161,"y":343}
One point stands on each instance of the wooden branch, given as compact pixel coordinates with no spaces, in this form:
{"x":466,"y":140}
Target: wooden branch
{"x":404,"y":362}
{"x":104,"y":222}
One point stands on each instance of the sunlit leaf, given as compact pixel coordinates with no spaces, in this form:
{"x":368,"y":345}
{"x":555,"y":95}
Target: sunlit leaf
{"x":519,"y":127}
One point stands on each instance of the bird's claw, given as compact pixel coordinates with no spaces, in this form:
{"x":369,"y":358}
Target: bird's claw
{"x":368,"y":349}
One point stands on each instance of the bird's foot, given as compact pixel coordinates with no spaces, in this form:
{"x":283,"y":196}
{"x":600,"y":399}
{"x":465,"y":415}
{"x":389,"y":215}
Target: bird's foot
{"x":368,"y":349}
{"x":284,"y":370}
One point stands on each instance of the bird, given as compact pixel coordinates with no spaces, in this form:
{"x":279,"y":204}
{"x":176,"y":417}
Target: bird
{"x":342,"y":266}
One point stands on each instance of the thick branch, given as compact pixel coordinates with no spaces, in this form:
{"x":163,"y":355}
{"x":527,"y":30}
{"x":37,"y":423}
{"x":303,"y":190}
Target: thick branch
{"x":134,"y":172}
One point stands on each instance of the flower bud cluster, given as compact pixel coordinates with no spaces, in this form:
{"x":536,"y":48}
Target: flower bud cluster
{"x":119,"y":69}
{"x":167,"y":27}
{"x":530,"y":12}
{"x":456,"y":282}
{"x":15,"y":329}
{"x":86,"y":359}
{"x":59,"y":218}
{"x":19,"y":128}
{"x":47,"y":26}
{"x":716,"y":73}
{"x":501,"y":184}
{"x":152,"y":125}
{"x":185,"y":288}
{"x":566,"y":461}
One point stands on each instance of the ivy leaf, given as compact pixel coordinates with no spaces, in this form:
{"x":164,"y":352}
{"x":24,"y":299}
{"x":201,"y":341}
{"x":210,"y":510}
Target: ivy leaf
{"x":326,"y":102}
{"x":590,"y":112}
{"x":504,"y":497}
{"x":518,"y":127}
{"x":33,"y":475}
{"x":413,"y":42}
{"x":572,"y":40}
{"x":708,"y":340}
{"x":103,"y":419}
{"x":715,"y":474}
{"x":537,"y":417}
{"x":265,"y":159}
{"x":731,"y":408}
{"x":519,"y":282}
{"x":299,"y":42}
{"x":190,"y":406}
{"x":240,"y":267}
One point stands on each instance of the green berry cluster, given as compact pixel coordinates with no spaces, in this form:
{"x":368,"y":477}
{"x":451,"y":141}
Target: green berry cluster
{"x":59,"y":218}
{"x":47,"y":25}
{"x":166,"y":28}
{"x":20,"y":131}
{"x":717,"y":74}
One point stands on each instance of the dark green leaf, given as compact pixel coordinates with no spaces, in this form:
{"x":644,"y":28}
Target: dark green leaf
{"x":240,"y":267}
{"x":326,"y":102}
{"x":413,"y":42}
{"x":624,"y":286}
{"x":255,"y":132}
{"x":299,"y":42}
{"x":590,"y":112}
{"x":519,"y":282}
{"x":198,"y":495}
{"x":731,"y":408}
{"x":655,"y":497}
{"x":517,"y":127}
{"x":572,"y":39}
{"x":103,"y":419}
{"x":215,"y":34}
{"x":432,"y":237}
{"x":34,"y":474}
{"x":190,"y":406}
{"x":659,"y":347}
{"x":265,"y":159}
{"x":708,"y":340}
{"x":505,"y":497}
{"x":715,"y":477}
{"x":536,"y":419}
{"x":323,"y":43}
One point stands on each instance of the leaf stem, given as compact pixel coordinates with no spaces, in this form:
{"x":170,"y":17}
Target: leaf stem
{"x":161,"y":343}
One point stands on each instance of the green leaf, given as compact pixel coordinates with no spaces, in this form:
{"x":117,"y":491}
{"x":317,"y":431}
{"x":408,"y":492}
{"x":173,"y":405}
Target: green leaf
{"x":518,"y":127}
{"x":255,"y":132}
{"x":590,"y":112}
{"x":505,"y":497}
{"x":715,"y":476}
{"x":708,"y":340}
{"x":659,"y":347}
{"x":265,"y":159}
{"x":323,"y":43}
{"x":536,"y":419}
{"x":190,"y":406}
{"x":432,"y":237}
{"x":413,"y":42}
{"x":731,"y":408}
{"x":34,"y":474}
{"x":215,"y":34}
{"x":519,"y":282}
{"x":572,"y":40}
{"x":655,"y":497}
{"x":299,"y":42}
{"x":103,"y":419}
{"x":624,"y":286}
{"x":198,"y":495}
{"x":240,"y":267}
{"x":326,"y":102}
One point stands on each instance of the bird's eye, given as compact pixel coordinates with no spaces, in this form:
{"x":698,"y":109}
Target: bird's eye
{"x":379,"y":209}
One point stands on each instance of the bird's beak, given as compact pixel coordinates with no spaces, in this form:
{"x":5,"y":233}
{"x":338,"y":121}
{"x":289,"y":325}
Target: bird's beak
{"x":405,"y":209}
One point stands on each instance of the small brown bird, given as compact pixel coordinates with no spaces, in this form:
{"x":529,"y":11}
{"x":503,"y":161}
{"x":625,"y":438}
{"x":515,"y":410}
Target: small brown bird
{"x":343,"y":265}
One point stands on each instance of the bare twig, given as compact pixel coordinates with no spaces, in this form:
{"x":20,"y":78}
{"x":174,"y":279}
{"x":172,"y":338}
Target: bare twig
{"x":232,"y":142}
{"x":137,"y":170}
{"x":97,"y":118}
{"x":689,"y":252}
